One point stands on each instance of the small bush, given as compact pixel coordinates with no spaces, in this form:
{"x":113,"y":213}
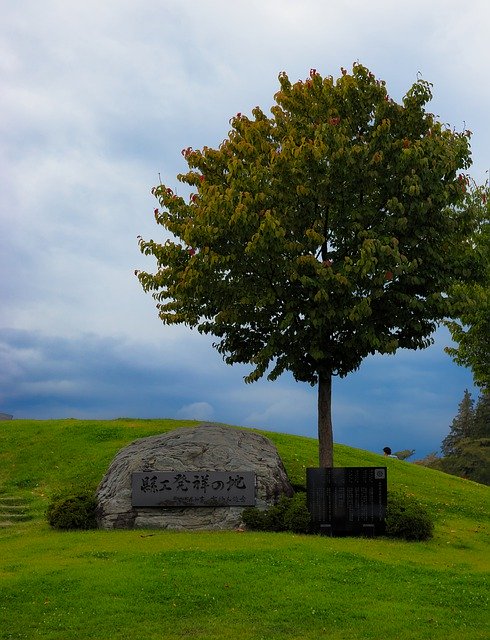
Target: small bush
{"x":406,"y":518}
{"x":255,"y":519}
{"x":73,"y":512}
{"x":275,"y":515}
{"x":289,"y":514}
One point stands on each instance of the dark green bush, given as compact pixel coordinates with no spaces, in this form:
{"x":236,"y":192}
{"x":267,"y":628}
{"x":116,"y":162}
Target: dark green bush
{"x":296,"y":517}
{"x":73,"y":512}
{"x":289,"y":514}
{"x":406,"y":518}
{"x":255,"y":519}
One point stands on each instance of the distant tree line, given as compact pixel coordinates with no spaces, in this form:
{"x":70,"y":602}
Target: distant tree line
{"x":466,"y":448}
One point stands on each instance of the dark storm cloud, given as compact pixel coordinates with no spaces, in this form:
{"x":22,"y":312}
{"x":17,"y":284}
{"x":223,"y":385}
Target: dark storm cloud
{"x":407,"y":401}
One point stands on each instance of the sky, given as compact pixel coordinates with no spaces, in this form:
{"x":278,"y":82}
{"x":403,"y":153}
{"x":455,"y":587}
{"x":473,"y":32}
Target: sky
{"x":97,"y":101}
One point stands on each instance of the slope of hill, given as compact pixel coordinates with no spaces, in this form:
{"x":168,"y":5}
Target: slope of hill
{"x":159,"y":584}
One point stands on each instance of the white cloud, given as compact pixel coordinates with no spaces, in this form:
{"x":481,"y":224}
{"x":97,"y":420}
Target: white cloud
{"x":273,"y":404}
{"x":196,"y":411}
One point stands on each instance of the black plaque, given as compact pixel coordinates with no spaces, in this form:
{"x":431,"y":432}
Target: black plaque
{"x":193,"y":489}
{"x":347,"y":500}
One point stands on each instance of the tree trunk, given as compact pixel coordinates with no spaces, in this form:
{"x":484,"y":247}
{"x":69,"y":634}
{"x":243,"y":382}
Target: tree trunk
{"x":325,"y":434}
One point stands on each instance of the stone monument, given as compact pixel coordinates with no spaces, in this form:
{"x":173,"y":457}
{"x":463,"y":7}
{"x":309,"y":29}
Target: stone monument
{"x":191,"y":479}
{"x":347,"y":500}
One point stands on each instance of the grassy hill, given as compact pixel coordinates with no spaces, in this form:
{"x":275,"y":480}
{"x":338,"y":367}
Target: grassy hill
{"x":214,"y":585}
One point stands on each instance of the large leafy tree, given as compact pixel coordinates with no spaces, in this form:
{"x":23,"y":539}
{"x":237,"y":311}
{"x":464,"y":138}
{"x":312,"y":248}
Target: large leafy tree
{"x":325,"y":232}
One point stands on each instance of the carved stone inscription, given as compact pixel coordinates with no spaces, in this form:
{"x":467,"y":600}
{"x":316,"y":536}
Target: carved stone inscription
{"x":348,"y":499}
{"x":193,"y":489}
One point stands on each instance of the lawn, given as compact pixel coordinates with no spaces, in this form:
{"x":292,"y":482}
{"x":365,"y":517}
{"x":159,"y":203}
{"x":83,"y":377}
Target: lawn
{"x":148,"y":585}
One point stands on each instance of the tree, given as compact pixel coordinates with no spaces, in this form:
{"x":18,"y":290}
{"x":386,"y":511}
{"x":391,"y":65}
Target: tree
{"x":466,"y":449}
{"x":481,"y":423}
{"x":470,"y":460}
{"x":327,"y":232}
{"x":471,"y":331}
{"x":462,"y":425}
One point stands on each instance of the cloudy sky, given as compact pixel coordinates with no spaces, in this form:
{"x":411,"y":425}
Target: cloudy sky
{"x":98,"y":99}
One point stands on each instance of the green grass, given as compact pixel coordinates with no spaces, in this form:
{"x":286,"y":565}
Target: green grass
{"x":149,"y":585}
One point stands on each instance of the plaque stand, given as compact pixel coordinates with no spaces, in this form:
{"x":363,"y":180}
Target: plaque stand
{"x":326,"y":530}
{"x":368,"y":530}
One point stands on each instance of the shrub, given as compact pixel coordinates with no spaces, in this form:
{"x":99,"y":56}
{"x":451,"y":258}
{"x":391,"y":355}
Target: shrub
{"x":406,"y":518}
{"x":289,"y":514}
{"x":73,"y":512}
{"x":255,"y":519}
{"x":296,"y":517}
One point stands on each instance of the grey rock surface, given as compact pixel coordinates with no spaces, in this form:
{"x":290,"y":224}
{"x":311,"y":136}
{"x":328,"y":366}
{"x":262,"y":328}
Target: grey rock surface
{"x":204,"y":448}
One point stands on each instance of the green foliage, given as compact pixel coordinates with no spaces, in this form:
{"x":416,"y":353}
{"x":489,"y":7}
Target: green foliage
{"x":470,"y":459}
{"x":326,"y":232}
{"x":461,"y":426}
{"x":73,"y":512}
{"x":289,"y":514}
{"x":297,"y":517}
{"x":466,"y":449}
{"x":332,"y":224}
{"x":471,"y":301}
{"x":407,"y":518}
{"x":481,"y":422}
{"x":256,"y":519}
